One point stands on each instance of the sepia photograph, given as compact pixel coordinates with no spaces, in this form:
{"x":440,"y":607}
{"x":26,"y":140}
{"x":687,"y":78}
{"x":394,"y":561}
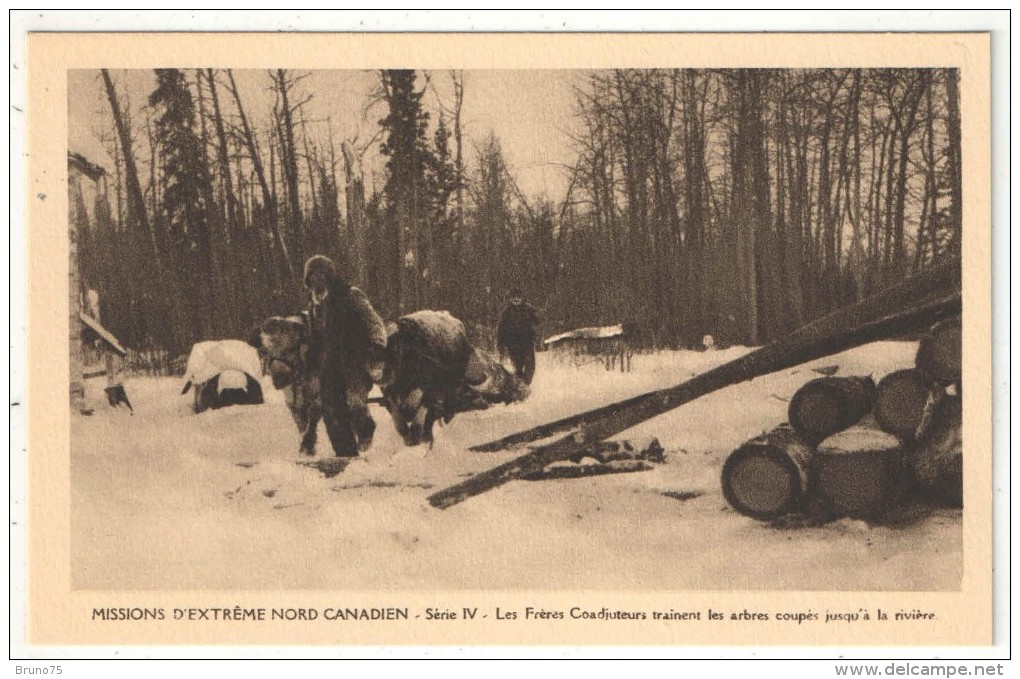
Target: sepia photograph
{"x":495,"y":289}
{"x":517,"y":339}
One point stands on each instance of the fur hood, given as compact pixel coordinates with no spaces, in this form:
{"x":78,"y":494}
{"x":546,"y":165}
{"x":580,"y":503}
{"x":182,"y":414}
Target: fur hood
{"x":321,"y":264}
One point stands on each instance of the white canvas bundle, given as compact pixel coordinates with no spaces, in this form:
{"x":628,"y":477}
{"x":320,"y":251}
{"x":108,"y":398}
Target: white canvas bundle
{"x":209,"y":359}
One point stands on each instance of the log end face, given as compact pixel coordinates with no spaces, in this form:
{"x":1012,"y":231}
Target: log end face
{"x":827,"y":405}
{"x":761,"y":483}
{"x":901,"y":402}
{"x":858,"y":473}
{"x":816,"y":412}
{"x":442,"y":500}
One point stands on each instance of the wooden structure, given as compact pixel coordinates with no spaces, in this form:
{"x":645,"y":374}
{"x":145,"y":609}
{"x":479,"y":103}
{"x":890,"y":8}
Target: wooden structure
{"x":608,"y":344}
{"x":78,"y":167}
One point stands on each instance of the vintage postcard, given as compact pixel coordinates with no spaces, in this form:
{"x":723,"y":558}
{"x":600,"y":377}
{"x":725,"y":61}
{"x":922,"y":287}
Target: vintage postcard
{"x":509,"y":339}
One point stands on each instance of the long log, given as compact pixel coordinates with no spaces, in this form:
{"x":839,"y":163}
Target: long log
{"x":767,"y":476}
{"x":827,"y":405}
{"x":831,"y":334}
{"x":936,"y":283}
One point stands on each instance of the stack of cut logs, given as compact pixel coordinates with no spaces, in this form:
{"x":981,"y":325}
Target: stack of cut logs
{"x":854,"y":449}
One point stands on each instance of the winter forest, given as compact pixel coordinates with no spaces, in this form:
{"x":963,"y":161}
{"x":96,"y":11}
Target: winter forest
{"x":736,"y":203}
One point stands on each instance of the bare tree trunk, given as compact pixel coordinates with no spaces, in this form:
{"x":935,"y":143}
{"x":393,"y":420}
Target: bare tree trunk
{"x":311,"y":174}
{"x":232,"y":276}
{"x":458,"y":140}
{"x":218,"y":306}
{"x":223,"y":157}
{"x":136,"y":201}
{"x":788,"y":226}
{"x":745,"y":215}
{"x":356,"y":218}
{"x":269,"y":202}
{"x":907,"y":125}
{"x":953,"y":168}
{"x":696,"y":201}
{"x":288,"y":161}
{"x":929,"y":199}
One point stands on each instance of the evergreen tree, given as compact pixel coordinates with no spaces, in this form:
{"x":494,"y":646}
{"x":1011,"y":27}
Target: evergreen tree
{"x":442,"y":279}
{"x":184,"y":210}
{"x":493,"y":238}
{"x":406,"y":147}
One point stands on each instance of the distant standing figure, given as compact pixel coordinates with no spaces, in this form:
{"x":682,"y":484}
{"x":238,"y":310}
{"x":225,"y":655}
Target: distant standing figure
{"x":115,"y":393}
{"x":348,"y":346}
{"x":516,"y":335}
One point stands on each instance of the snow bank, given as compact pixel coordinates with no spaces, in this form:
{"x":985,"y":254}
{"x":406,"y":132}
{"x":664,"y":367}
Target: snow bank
{"x":171,"y":500}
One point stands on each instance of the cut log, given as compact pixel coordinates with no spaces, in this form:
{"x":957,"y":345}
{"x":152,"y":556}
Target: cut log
{"x":828,"y":335}
{"x":608,"y":451}
{"x":919,"y":301}
{"x":858,"y":473}
{"x":577,"y":471}
{"x":827,"y":405}
{"x":939,"y":354}
{"x":936,"y":463}
{"x":767,"y":477}
{"x":901,"y":401}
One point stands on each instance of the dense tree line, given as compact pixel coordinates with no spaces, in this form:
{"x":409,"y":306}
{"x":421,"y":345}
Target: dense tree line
{"x":743,"y":203}
{"x":737,"y":203}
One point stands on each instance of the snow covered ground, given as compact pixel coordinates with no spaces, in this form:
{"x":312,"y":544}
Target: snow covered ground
{"x":166,"y":499}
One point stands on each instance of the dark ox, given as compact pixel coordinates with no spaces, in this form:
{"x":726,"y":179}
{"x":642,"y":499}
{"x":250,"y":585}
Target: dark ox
{"x":433,"y":373}
{"x":283,"y":345}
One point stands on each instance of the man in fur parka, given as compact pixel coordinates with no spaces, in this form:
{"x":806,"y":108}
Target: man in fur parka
{"x":348,"y":343}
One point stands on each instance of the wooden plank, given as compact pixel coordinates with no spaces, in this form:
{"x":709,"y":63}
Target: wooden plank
{"x":103,"y":333}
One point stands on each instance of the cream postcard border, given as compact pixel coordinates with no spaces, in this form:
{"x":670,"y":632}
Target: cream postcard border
{"x":58,"y":615}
